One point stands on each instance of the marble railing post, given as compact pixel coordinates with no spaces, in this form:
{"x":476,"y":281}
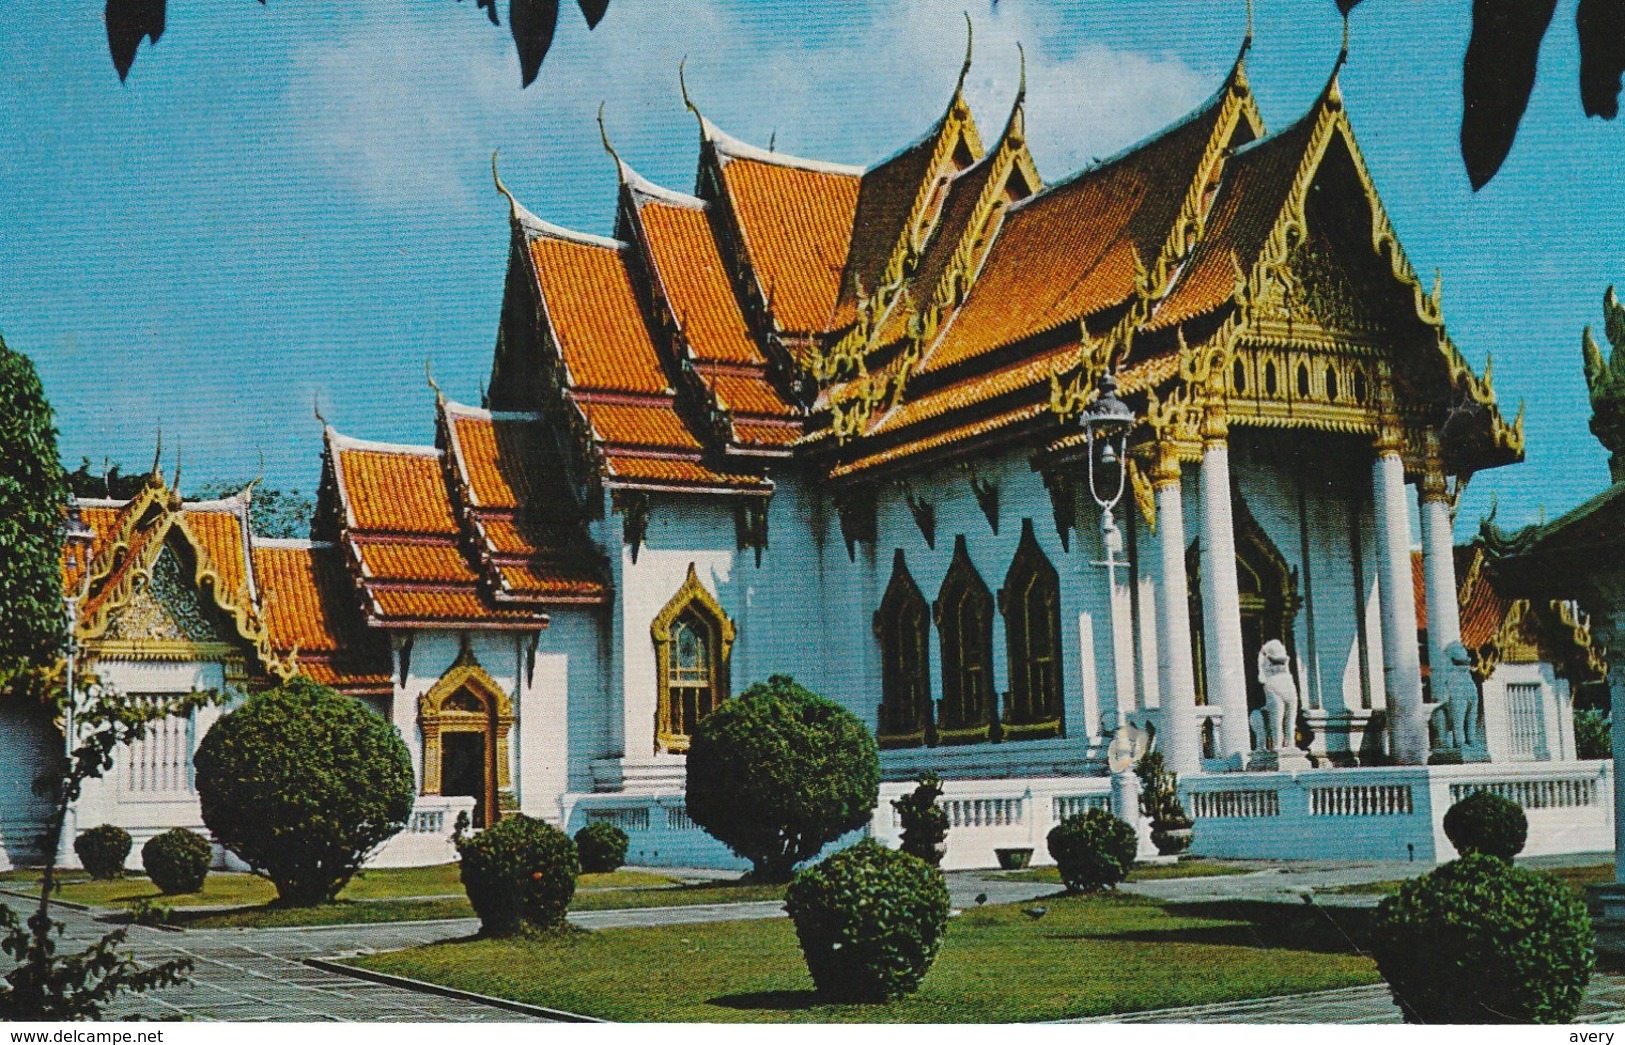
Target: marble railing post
{"x":1221,"y":596}
{"x":1401,"y":664}
{"x":1176,"y":675}
{"x":1438,"y":559}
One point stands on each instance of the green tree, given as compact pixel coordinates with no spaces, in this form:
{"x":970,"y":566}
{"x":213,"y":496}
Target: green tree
{"x":303,"y":784}
{"x":778,"y":773}
{"x":33,"y":499}
{"x":45,"y":984}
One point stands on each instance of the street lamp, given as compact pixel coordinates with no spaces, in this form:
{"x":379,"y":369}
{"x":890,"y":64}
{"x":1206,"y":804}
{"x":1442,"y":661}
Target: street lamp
{"x":1107,"y":421}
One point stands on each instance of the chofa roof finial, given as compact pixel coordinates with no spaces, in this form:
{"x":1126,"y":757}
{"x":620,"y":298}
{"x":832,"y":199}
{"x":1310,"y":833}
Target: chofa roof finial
{"x":603,"y":136}
{"x":156,"y":471}
{"x":428,"y":374}
{"x":316,"y":408}
{"x":964,"y":70}
{"x":513,"y":204}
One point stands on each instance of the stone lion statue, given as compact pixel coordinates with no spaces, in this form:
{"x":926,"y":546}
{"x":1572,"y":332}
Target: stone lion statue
{"x":1280,"y":697}
{"x":1457,"y":693}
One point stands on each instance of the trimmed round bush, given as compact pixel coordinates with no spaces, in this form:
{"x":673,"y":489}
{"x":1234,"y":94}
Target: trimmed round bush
{"x":925,"y":822}
{"x":302,"y":784}
{"x":1093,"y":850}
{"x":869,"y":920}
{"x":177,"y":861}
{"x":1481,"y":941}
{"x":601,"y":847}
{"x":778,"y":773}
{"x":1484,"y":822}
{"x":520,"y":871}
{"x":102,"y":850}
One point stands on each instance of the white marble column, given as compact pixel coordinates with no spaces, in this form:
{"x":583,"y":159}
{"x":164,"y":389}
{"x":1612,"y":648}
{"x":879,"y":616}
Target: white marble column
{"x":1438,"y":559}
{"x":1401,"y":663}
{"x":1221,"y":597}
{"x":1176,"y":676}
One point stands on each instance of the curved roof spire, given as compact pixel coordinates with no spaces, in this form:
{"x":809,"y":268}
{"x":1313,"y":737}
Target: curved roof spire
{"x":964,"y":70}
{"x":514,"y":209}
{"x":1015,"y":127}
{"x":1247,"y":41}
{"x":688,"y":102}
{"x":603,"y":136}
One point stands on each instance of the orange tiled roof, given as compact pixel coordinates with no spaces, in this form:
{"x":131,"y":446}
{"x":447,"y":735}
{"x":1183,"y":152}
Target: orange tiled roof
{"x":1074,"y":249}
{"x":651,"y":424}
{"x":689,"y":271}
{"x":395,"y":489}
{"x":312,"y":618}
{"x":601,"y":331}
{"x":1252,"y":191}
{"x":796,"y":222}
{"x":220,"y":532}
{"x":393,"y":559}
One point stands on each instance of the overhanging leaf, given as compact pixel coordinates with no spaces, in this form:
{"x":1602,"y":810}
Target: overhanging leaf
{"x":1346,"y":5}
{"x":1496,"y":78}
{"x":490,"y":7}
{"x":593,"y":11}
{"x":1601,"y":24}
{"x":128,"y":23}
{"x":532,"y":23}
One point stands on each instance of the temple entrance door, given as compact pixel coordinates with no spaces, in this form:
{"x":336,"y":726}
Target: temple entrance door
{"x":1268,"y":587}
{"x":462,"y":770}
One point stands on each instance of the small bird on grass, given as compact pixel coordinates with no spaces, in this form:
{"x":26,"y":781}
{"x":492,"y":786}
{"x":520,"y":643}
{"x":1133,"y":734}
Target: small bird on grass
{"x":1035,"y":913}
{"x":981,"y":898}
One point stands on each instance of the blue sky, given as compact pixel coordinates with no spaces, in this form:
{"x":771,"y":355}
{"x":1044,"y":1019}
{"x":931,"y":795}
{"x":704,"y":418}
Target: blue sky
{"x":293,"y":201}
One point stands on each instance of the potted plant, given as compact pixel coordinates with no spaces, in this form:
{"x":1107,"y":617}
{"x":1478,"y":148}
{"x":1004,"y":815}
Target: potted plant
{"x":1014,"y":859}
{"x":1159,"y":801}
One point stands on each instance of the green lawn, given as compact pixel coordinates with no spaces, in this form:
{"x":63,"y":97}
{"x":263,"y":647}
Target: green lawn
{"x":380,"y":884}
{"x":1086,"y":956}
{"x":1141,"y":872}
{"x":1576,"y":878}
{"x":599,"y":898}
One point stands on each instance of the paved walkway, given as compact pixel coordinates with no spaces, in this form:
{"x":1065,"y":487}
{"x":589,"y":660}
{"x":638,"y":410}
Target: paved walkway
{"x":260,"y":974}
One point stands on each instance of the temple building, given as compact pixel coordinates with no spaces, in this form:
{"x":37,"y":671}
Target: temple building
{"x":825,"y":421}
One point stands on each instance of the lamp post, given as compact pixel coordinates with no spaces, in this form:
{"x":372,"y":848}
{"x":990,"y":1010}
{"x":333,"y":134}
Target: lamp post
{"x":1106,"y":423}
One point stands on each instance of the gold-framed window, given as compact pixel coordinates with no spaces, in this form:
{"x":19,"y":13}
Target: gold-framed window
{"x":964,"y":617}
{"x":1031,"y":603}
{"x":693,"y":639}
{"x":903,"y":627}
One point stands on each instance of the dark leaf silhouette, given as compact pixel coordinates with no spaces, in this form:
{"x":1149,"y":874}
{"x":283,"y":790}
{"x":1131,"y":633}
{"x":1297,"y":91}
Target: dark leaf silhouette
{"x":1601,"y":24}
{"x":128,"y":23}
{"x":1496,"y":78}
{"x":1346,"y":5}
{"x":593,"y":11}
{"x":532,"y":23}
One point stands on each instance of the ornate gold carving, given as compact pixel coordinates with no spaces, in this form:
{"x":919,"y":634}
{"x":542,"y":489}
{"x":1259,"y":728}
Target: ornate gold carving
{"x":466,"y":699}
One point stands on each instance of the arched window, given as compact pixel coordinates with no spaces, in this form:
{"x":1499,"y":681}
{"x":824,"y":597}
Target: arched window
{"x":964,"y":613}
{"x":1031,"y":602}
{"x":693,"y":638}
{"x":903,"y":626}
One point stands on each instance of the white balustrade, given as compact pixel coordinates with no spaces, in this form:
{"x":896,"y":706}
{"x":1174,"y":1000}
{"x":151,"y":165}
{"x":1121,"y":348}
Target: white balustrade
{"x":1236,"y":804}
{"x":1362,"y":800}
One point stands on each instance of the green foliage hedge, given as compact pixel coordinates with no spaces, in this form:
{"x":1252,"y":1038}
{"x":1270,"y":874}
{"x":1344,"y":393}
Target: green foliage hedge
{"x":103,"y":850}
{"x":601,"y":847}
{"x":1484,"y":822}
{"x":33,"y":491}
{"x":778,"y":772}
{"x":177,"y":861}
{"x":1093,"y":850}
{"x":519,"y":871}
{"x":925,"y":823}
{"x":1593,"y":734}
{"x":302,"y":784}
{"x":1481,"y":941}
{"x":869,"y":920}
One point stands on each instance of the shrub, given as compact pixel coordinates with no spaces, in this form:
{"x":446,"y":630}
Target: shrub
{"x":302,"y":784}
{"x":177,"y":861}
{"x":103,"y":850}
{"x":1481,"y":941}
{"x":925,"y":823}
{"x":516,"y":872}
{"x":1593,"y":734}
{"x":1484,"y":822}
{"x":869,"y":920}
{"x":601,"y":847}
{"x":779,"y":772}
{"x":1093,"y":850}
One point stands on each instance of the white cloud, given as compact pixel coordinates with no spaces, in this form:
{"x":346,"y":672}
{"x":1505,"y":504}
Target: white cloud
{"x":403,"y":108}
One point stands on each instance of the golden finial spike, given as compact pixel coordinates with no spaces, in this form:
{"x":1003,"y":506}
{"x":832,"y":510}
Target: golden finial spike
{"x":603,"y":136}
{"x":1021,"y":88}
{"x":428,"y":374}
{"x":316,"y":406}
{"x":158,"y":455}
{"x":964,"y":70}
{"x":1343,"y":53}
{"x":175,"y":486}
{"x":513,"y":204}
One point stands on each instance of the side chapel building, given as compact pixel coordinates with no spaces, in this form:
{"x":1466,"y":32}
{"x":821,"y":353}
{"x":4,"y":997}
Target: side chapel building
{"x":821,"y":420}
